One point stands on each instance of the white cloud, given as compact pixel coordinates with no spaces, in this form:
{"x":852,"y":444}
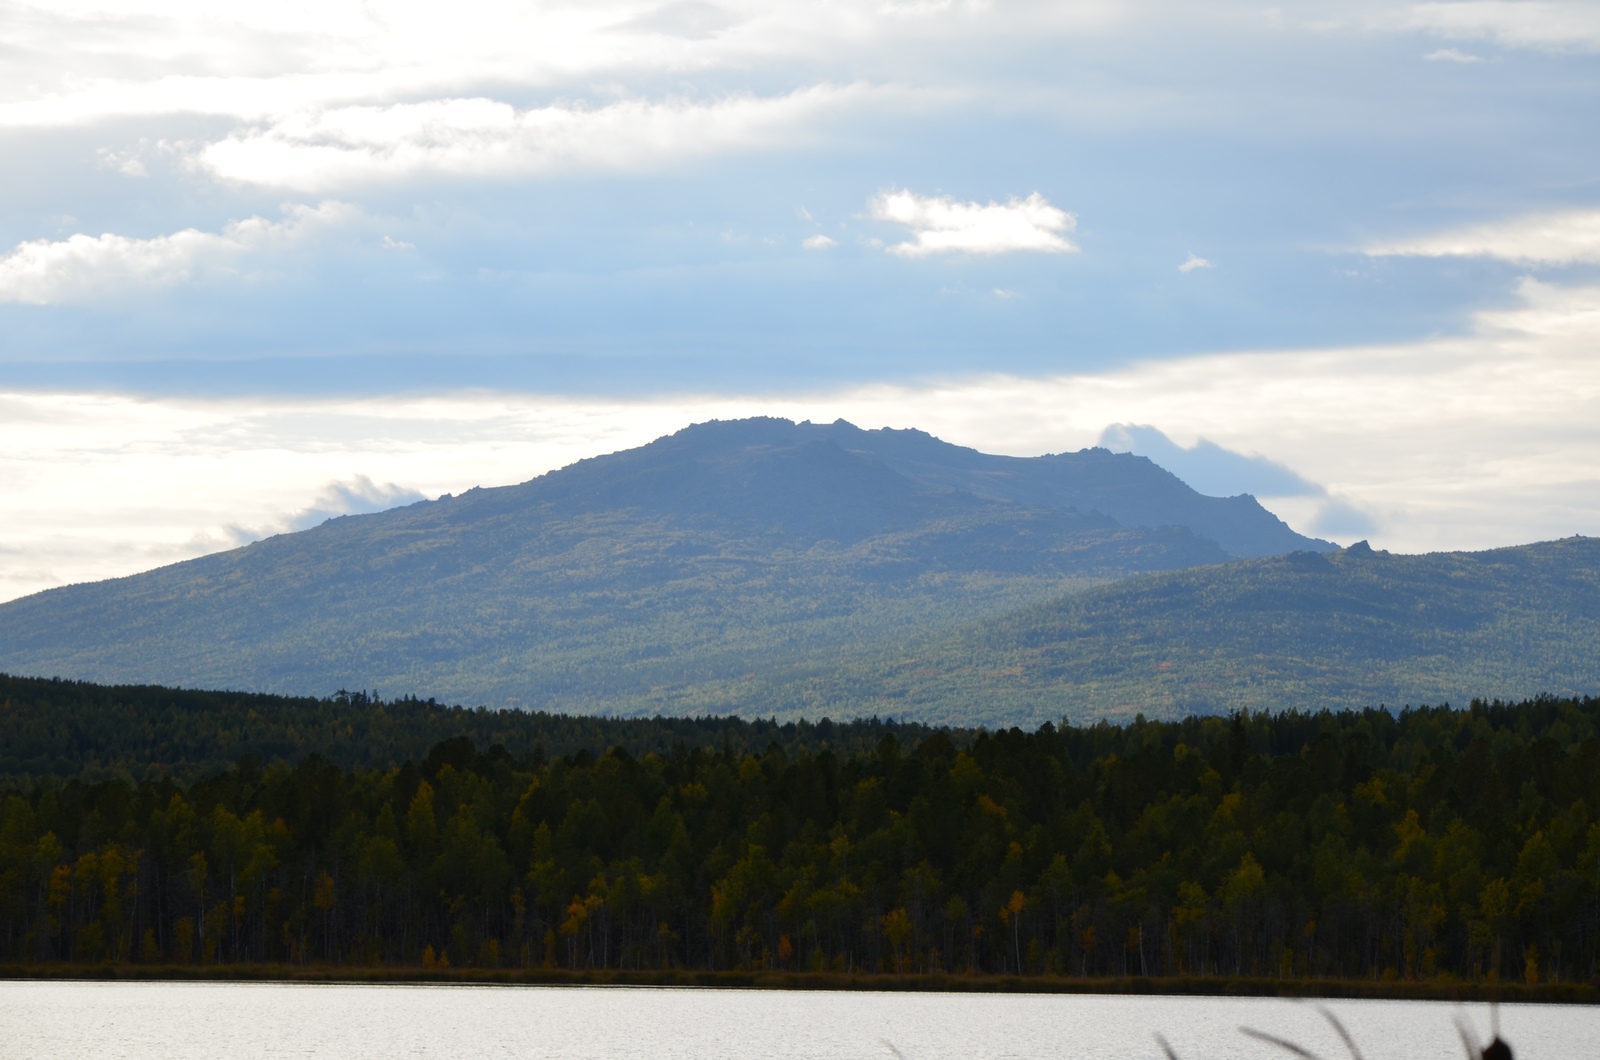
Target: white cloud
{"x":72,"y":63}
{"x":1548,"y":311}
{"x":1218,"y":471}
{"x":1473,"y":442}
{"x":1451,"y":55}
{"x":488,"y":138}
{"x":819,"y":242}
{"x":83,"y":268}
{"x":1567,"y":238}
{"x":1194,"y":262}
{"x":1555,"y":25}
{"x":1210,"y":468}
{"x":280,"y":70}
{"x":317,"y":97}
{"x":357,"y":496}
{"x":943,"y":225}
{"x":128,"y":163}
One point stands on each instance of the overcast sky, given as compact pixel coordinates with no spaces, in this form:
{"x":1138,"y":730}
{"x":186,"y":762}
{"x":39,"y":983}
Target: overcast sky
{"x":262,"y":264}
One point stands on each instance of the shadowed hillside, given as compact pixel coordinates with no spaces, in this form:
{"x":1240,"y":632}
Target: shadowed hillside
{"x":660,"y":578}
{"x":1307,"y":630}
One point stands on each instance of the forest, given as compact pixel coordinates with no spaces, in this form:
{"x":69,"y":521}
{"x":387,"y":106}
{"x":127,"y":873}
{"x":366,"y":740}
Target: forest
{"x":1424,"y":844}
{"x":77,"y":729}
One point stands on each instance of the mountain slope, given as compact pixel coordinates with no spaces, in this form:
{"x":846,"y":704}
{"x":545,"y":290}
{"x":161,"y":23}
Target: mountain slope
{"x":652,"y":579}
{"x":1128,"y":488}
{"x":1348,"y":629}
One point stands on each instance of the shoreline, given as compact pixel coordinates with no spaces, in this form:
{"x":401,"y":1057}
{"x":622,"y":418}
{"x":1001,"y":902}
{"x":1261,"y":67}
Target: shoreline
{"x":1195,"y":986}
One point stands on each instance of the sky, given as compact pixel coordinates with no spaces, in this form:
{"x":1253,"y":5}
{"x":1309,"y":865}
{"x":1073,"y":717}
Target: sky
{"x":264,"y":264}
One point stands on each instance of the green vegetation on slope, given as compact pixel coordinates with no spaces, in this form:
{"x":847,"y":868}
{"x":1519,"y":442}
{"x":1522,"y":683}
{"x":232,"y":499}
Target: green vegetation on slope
{"x":1306,"y":630}
{"x":1357,"y":844}
{"x":653,"y":580}
{"x":764,"y":568}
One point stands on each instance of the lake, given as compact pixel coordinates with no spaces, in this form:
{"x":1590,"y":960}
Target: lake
{"x":237,"y":1021}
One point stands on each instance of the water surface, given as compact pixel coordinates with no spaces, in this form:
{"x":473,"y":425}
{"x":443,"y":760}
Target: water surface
{"x":253,"y":1021}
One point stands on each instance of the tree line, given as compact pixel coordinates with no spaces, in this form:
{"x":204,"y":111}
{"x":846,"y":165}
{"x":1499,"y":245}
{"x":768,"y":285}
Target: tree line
{"x":51,"y":727}
{"x":1412,"y":845}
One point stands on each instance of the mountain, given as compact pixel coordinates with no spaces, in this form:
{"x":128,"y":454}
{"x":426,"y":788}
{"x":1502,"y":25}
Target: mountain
{"x":1129,"y":489}
{"x":1347,"y":629}
{"x":665,"y":578}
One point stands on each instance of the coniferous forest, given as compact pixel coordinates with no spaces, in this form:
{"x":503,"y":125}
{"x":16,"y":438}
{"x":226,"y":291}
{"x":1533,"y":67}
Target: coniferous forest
{"x":1419,"y":845}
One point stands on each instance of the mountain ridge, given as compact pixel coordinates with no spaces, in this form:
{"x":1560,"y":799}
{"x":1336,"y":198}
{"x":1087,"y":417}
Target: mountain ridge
{"x":721,"y":549}
{"x":764,"y":567}
{"x":1351,"y":629}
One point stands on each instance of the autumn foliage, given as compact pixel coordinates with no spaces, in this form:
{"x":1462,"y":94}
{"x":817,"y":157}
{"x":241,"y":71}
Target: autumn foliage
{"x":1414,"y":846}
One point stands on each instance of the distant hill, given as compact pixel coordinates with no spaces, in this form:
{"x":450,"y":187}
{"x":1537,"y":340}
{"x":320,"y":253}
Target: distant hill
{"x":671,"y":577}
{"x":1348,"y":629}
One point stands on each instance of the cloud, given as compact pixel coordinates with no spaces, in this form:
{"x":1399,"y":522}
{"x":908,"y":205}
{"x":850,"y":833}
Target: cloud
{"x":355,"y":496}
{"x":1549,"y":25}
{"x":1568,"y":238}
{"x":818,"y":242}
{"x":1451,"y":55}
{"x":79,"y":63}
{"x":1218,"y":471}
{"x":688,"y":20}
{"x":942,"y":225}
{"x":1194,"y":262}
{"x":1474,"y":441}
{"x":128,"y":163}
{"x":1208,"y":467}
{"x":83,"y":268}
{"x":1548,"y":311}
{"x":482,"y":137}
{"x":1338,"y":518}
{"x":1470,"y":442}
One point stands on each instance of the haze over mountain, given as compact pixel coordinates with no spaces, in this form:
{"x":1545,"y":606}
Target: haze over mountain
{"x":656,"y":578}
